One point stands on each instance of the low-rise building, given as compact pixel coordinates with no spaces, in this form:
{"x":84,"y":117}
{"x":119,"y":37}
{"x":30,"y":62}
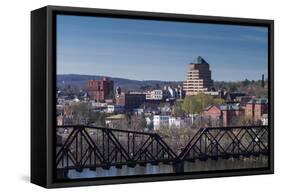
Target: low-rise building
{"x":213,"y":112}
{"x":138,"y":111}
{"x":223,"y":115}
{"x":264,"y":119}
{"x":149,"y":122}
{"x":115,"y":108}
{"x":130,"y":100}
{"x":116,"y":121}
{"x":64,"y":120}
{"x":154,"y":95}
{"x":165,"y":109}
{"x":60,"y":109}
{"x":170,"y":122}
{"x":160,"y":120}
{"x":233,"y":96}
{"x":230,"y":113}
{"x":213,"y":93}
{"x":177,"y":122}
{"x":255,"y":108}
{"x":214,"y":115}
{"x":98,"y":106}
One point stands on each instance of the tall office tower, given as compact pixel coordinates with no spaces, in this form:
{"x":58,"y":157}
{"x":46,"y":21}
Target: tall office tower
{"x":198,"y":78}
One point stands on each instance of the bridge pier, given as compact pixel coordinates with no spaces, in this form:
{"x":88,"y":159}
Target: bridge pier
{"x":178,"y":166}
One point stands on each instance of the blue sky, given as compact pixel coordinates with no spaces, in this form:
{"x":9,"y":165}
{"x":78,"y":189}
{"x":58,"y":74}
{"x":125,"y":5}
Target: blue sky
{"x":158,"y":50}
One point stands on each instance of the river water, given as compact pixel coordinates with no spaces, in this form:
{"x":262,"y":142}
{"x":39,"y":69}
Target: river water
{"x":222,"y":164}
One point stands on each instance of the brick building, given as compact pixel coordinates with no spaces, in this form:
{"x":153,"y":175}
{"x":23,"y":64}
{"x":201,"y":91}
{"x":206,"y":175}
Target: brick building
{"x":256,"y":108}
{"x":100,"y":90}
{"x":213,"y":112}
{"x":230,"y":113}
{"x":224,"y":115}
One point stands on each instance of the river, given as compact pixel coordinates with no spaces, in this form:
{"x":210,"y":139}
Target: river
{"x":222,"y":164}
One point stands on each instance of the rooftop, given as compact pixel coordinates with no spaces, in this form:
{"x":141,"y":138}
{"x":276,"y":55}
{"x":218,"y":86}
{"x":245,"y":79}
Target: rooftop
{"x":259,"y":101}
{"x":116,"y":117}
{"x":200,"y":61}
{"x":209,"y":107}
{"x":230,"y":107}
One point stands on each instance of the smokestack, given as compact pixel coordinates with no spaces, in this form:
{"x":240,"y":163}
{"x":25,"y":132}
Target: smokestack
{"x":262,"y":80}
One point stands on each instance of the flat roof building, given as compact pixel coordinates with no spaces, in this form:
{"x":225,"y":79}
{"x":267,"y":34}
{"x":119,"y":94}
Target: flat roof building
{"x":100,"y":90}
{"x":130,"y":101}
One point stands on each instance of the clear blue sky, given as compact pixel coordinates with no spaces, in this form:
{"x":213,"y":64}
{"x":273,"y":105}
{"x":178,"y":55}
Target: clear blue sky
{"x":157,"y":50}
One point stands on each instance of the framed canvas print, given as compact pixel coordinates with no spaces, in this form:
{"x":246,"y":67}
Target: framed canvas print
{"x":125,"y":96}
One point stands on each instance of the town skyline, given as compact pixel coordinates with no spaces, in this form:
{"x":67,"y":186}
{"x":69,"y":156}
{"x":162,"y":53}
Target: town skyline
{"x":132,"y":79}
{"x":155,"y":50}
{"x":162,"y":94}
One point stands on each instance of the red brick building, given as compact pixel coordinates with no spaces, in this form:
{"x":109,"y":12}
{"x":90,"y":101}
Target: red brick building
{"x":230,"y":113}
{"x":256,"y":108}
{"x":213,"y":112}
{"x":226,"y":114}
{"x":100,"y":90}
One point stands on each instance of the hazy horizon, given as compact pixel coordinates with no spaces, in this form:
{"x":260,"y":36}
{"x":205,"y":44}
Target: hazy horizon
{"x":265,"y":78}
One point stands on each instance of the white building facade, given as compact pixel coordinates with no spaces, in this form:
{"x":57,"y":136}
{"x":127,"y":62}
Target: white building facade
{"x":160,"y":120}
{"x":177,"y":122}
{"x":170,"y":122}
{"x":115,"y":108}
{"x":154,"y":95}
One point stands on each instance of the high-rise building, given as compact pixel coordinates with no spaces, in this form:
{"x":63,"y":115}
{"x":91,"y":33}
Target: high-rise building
{"x":100,"y":90}
{"x":198,"y":78}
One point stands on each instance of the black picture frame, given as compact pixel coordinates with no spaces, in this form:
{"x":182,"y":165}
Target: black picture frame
{"x":43,"y":90}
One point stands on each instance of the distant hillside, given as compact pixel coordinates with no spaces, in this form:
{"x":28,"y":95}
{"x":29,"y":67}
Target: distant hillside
{"x":128,"y":84}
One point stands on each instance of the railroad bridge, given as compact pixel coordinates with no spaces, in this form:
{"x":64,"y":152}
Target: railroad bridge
{"x":79,"y":147}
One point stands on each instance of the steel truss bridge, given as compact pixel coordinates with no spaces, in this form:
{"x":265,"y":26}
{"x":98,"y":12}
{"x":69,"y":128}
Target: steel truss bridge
{"x":80,"y":147}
